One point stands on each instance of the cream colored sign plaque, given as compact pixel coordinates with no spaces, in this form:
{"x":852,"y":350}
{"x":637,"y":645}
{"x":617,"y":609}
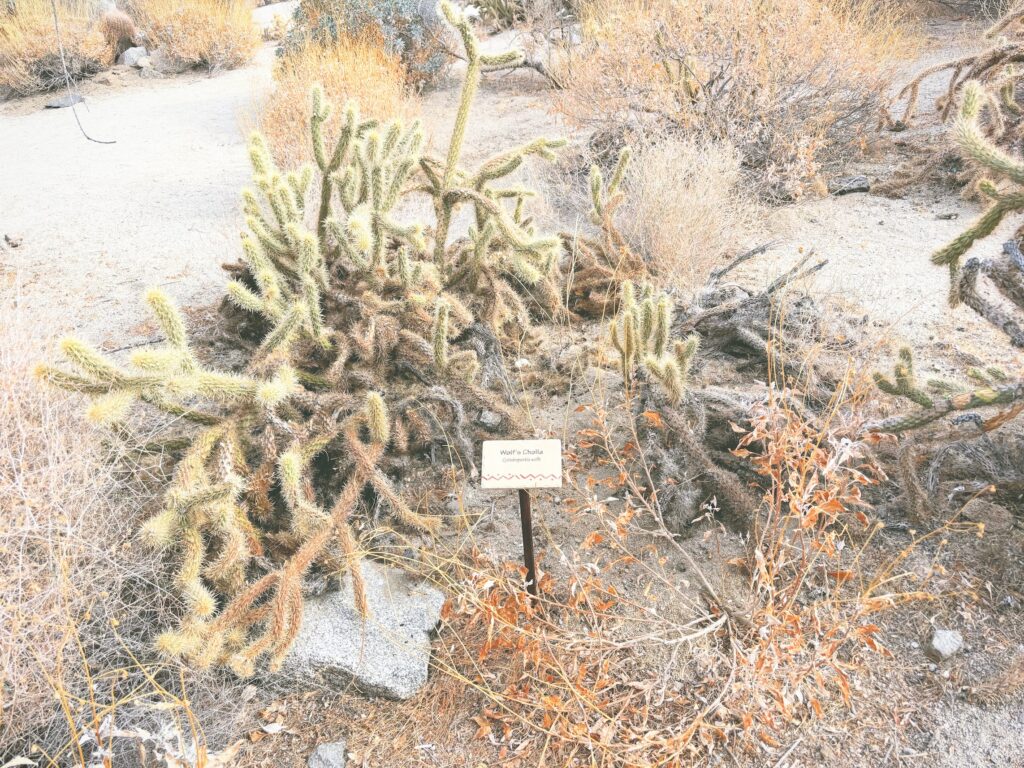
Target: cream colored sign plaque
{"x":521,"y":464}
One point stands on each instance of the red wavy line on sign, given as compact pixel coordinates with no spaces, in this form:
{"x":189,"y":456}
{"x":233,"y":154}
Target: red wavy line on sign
{"x":522,"y":477}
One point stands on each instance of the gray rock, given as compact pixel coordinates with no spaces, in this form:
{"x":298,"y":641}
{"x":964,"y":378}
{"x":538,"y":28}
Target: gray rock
{"x":944,"y":644}
{"x":132,"y":56}
{"x":387,"y":654}
{"x":163,"y":62}
{"x":845,"y":185}
{"x":149,"y":73}
{"x":489,"y":420}
{"x":328,"y":755}
{"x":67,"y":100}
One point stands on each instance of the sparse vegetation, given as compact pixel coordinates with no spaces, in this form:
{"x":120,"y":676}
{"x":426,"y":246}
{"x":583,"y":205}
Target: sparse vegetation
{"x":30,"y":59}
{"x":770,"y":513}
{"x":790,"y":83}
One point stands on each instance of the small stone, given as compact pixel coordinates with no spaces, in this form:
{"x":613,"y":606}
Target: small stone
{"x":67,"y":100}
{"x":386,"y":654}
{"x":846,"y":185}
{"x":944,"y":644}
{"x":13,"y":240}
{"x":149,"y":73}
{"x":521,"y":363}
{"x":163,"y":62}
{"x":132,"y":56}
{"x":995,"y":518}
{"x":328,"y":755}
{"x":489,"y":420}
{"x":104,"y":80}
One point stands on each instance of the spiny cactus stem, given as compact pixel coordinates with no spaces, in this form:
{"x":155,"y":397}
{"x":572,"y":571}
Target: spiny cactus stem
{"x":980,"y":398}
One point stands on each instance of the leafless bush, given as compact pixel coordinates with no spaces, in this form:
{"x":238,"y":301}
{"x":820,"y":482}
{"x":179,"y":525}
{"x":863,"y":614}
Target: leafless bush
{"x":790,"y":82}
{"x":30,"y":59}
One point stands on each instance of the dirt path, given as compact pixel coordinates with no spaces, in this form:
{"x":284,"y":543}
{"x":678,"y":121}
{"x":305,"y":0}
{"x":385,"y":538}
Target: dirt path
{"x":99,"y":223}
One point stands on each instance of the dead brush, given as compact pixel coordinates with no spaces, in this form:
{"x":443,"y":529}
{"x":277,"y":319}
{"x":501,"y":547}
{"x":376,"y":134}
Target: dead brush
{"x":625,"y":661}
{"x":137,"y":710}
{"x":30,"y":59}
{"x":791,"y":83}
{"x":212,"y":34}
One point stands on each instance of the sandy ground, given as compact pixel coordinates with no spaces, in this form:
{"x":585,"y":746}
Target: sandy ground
{"x":99,"y":223}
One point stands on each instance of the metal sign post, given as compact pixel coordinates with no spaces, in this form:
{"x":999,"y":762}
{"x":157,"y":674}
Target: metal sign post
{"x":526,"y":518}
{"x":521,"y":465}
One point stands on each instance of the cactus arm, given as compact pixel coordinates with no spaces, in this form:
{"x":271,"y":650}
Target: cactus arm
{"x":979,"y":398}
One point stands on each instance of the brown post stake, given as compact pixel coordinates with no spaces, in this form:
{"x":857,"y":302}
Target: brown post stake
{"x":526,"y":517}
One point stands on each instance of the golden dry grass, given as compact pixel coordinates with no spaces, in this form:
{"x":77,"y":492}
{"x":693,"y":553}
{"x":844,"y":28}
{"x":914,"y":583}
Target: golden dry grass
{"x":29,"y":55}
{"x":350,"y":69}
{"x":215,"y":34}
{"x":790,"y":82}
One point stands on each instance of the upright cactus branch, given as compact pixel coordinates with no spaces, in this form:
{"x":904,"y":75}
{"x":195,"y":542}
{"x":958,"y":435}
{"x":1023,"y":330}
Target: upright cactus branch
{"x":641,"y":334}
{"x":905,"y":384}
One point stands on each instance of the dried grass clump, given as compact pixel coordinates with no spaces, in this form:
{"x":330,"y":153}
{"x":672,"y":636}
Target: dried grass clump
{"x":215,"y":34}
{"x":360,"y":70}
{"x":789,"y":82}
{"x":686,"y":208}
{"x":76,"y":586}
{"x":65,"y":556}
{"x":30,"y":59}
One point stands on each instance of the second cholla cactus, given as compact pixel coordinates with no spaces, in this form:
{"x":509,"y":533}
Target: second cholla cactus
{"x":642,"y":335}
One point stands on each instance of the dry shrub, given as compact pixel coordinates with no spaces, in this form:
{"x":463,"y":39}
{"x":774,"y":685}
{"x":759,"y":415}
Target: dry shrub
{"x":65,"y":556}
{"x":789,"y":82}
{"x":215,"y":34}
{"x":686,"y":208}
{"x":75,"y":585}
{"x":350,"y":69}
{"x":30,"y":58}
{"x":641,"y":651}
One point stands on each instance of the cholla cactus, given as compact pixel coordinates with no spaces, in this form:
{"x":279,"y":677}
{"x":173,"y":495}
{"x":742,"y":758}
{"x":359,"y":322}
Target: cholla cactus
{"x":599,"y":265}
{"x":641,"y":333}
{"x":905,"y":384}
{"x":355,"y":325}
{"x":1005,"y":272}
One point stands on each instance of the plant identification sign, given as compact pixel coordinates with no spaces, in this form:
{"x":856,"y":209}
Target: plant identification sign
{"x":521,"y":464}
